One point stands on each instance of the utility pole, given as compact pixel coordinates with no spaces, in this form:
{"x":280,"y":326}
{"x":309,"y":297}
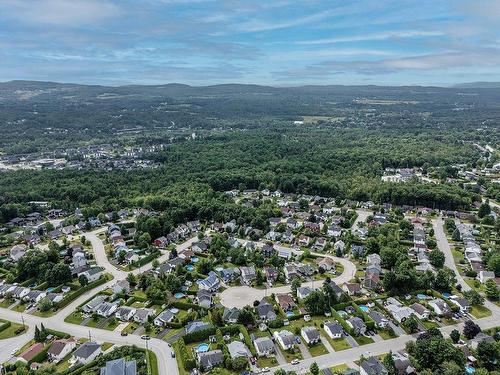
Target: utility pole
{"x":90,"y":336}
{"x":147,"y":354}
{"x":22,"y":318}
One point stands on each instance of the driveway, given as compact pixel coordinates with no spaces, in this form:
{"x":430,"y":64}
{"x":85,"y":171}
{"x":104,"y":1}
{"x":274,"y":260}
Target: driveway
{"x":397,"y":329}
{"x":351,"y":341}
{"x":303,"y":350}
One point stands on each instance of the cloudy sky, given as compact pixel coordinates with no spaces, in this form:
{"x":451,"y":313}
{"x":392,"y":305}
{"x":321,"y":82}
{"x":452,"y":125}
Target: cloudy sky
{"x":275,"y":42}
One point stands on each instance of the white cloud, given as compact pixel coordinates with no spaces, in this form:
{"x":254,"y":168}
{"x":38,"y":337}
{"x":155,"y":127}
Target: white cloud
{"x":59,"y":12}
{"x":374,"y":36}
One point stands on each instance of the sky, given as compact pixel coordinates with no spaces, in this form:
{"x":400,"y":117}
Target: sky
{"x":270,"y":42}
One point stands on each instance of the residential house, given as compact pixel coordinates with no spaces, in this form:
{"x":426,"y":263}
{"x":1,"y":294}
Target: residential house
{"x":461,"y":303}
{"x":122,"y":286}
{"x":326,"y":263}
{"x":106,"y":309}
{"x":334,"y":231}
{"x":290,"y":271}
{"x":238,"y":349}
{"x":60,"y":348}
{"x":284,"y":253}
{"x":166,"y":316}
{"x":320,"y":243}
{"x":352,"y":289}
{"x":372,"y":366}
{"x":17,"y":252}
{"x":141,"y":315}
{"x":161,"y":242}
{"x":333,"y":329}
{"x":484,"y":276}
{"x":119,"y":367}
{"x":124,"y":313}
{"x":229,"y":274}
{"x":379,"y":319}
{"x":285,"y":338}
{"x":265,"y":311}
{"x":371,"y":281}
{"x":339,"y":246}
{"x":31,"y":352}
{"x":400,"y":313}
{"x":196,"y":326}
{"x":310,"y":335}
{"x":440,"y":307}
{"x":86,"y":353}
{"x":210,"y":359}
{"x":35,"y":296}
{"x":247,"y":274}
{"x":93,"y":274}
{"x":420,"y":311}
{"x":230,"y":315}
{"x":199,"y":247}
{"x":204,"y":298}
{"x":303,"y":292}
{"x":357,"y":325}
{"x":211,"y":282}
{"x":402,"y":363}
{"x":285,"y":301}
{"x":304,"y":240}
{"x":358,"y":250}
{"x":480,"y":337}
{"x":271,"y":274}
{"x":268,"y":250}
{"x":264,"y":346}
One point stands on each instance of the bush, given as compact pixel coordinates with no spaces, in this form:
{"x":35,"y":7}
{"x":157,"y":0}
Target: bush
{"x":187,"y":359}
{"x":71,"y":297}
{"x":4,"y":326}
{"x":199,"y":335}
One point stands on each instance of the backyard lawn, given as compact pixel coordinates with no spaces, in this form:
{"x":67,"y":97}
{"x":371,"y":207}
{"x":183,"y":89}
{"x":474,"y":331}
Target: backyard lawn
{"x":339,"y":344}
{"x":267,"y":362}
{"x":387,"y":334}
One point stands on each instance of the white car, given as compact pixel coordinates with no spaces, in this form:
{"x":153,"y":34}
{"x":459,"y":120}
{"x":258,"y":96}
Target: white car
{"x":265,"y":369}
{"x":295,"y":362}
{"x":14,"y":351}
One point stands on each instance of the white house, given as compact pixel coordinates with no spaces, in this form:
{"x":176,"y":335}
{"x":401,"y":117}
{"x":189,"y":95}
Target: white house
{"x":333,"y":329}
{"x":264,"y":346}
{"x":93,"y":274}
{"x":285,"y":338}
{"x":165,"y":317}
{"x":439,"y":306}
{"x":484,"y":276}
{"x":86,"y":353}
{"x":310,"y":335}
{"x":60,"y":349}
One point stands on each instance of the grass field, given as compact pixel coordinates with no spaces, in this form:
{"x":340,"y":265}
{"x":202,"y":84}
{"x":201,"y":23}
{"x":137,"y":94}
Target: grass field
{"x":340,"y":344}
{"x":387,"y":334}
{"x":74,"y":318}
{"x":480,"y":312}
{"x":10,"y":331}
{"x":339,"y":369}
{"x":362,"y":340}
{"x":267,"y":362}
{"x":318,"y":349}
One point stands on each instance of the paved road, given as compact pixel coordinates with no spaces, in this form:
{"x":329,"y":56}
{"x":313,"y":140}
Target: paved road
{"x":239,"y":296}
{"x":166,"y":364}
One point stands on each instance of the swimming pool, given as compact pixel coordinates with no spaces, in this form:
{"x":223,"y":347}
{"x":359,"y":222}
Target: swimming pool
{"x":194,"y":259}
{"x":421,"y":296}
{"x":469,"y":369}
{"x":289,"y":314}
{"x":342,"y":313}
{"x":179,"y":295}
{"x":202,"y":348}
{"x":190,"y":267}
{"x":364,"y":308}
{"x":446,"y":295}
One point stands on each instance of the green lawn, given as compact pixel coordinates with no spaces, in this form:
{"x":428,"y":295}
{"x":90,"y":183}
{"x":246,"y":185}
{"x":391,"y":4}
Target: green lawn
{"x":339,"y":369}
{"x":6,"y":303}
{"x":95,"y":323}
{"x":387,"y":334}
{"x":430,"y":324}
{"x":480,"y":312}
{"x":20,"y":307}
{"x":74,"y":318}
{"x":111,"y":325}
{"x":64,"y":364}
{"x":10,"y":331}
{"x":318,"y":349}
{"x":291,"y":356}
{"x":267,"y":362}
{"x":178,"y":357}
{"x":363,"y":340}
{"x":105,"y":346}
{"x":340,"y":344}
{"x":153,"y":362}
{"x":130,"y":328}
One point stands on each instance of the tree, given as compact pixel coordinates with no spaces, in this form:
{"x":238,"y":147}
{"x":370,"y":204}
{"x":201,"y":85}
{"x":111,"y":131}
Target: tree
{"x":451,"y":368}
{"x":132,"y":279}
{"x":494,"y":264}
{"x":491,"y":290}
{"x":246,"y":316}
{"x":58,"y":274}
{"x":474,"y":298}
{"x":314,"y":368}
{"x":44,"y":304}
{"x":37,"y":336}
{"x":412,"y":324}
{"x":259,"y":278}
{"x":389,"y":364}
{"x":121,"y":256}
{"x":296,"y":283}
{"x":82,"y":279}
{"x":455,"y":336}
{"x":445,"y":279}
{"x":436,"y":258}
{"x":471,"y":329}
{"x":488,"y":354}
{"x":484,"y":210}
{"x":316,"y":303}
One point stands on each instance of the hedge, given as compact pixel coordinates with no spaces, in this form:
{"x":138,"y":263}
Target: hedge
{"x":187,"y":359}
{"x":199,"y":335}
{"x":248,"y":341}
{"x":40,"y":357}
{"x":186,"y":306}
{"x":342,"y":322}
{"x":4,"y":326}
{"x":59,"y":334}
{"x":70,"y":298}
{"x":28,"y":282}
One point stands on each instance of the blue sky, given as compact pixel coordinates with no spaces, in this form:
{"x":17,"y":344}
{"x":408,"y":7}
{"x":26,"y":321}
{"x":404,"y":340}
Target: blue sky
{"x":274,"y":42}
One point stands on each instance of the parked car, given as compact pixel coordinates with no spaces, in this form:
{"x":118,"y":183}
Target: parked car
{"x":295,"y":362}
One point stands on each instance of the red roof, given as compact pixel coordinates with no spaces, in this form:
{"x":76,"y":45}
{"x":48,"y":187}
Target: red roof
{"x":32,"y":351}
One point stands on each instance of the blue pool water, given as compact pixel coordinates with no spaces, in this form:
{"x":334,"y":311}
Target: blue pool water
{"x":194,"y":259}
{"x":179,"y":295}
{"x":190,"y":267}
{"x":421,"y":296}
{"x":469,"y":369}
{"x":202,"y":348}
{"x":289,"y":314}
{"x":364,"y":308}
{"x":342,"y":313}
{"x":446,"y":295}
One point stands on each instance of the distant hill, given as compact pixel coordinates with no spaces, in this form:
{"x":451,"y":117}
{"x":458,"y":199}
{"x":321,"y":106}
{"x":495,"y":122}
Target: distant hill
{"x":478,"y":85}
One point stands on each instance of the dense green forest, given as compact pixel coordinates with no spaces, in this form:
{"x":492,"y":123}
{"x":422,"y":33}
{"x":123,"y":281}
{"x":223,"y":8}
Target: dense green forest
{"x":249,"y":141}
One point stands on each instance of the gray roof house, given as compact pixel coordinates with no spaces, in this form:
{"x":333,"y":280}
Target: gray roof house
{"x":209,"y":360}
{"x":119,"y":367}
{"x":238,"y":349}
{"x":372,"y":366}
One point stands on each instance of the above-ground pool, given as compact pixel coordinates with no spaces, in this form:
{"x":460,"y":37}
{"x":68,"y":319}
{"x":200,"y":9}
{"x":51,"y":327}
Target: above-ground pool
{"x":190,"y":267}
{"x":194,"y":259}
{"x":202,"y":348}
{"x":179,"y":295}
{"x":289,"y":314}
{"x":421,"y":296}
{"x":469,"y":369}
{"x":364,"y":308}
